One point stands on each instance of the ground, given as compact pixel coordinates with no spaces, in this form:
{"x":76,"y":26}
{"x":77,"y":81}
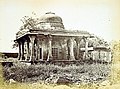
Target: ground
{"x":56,"y":73}
{"x":112,"y":83}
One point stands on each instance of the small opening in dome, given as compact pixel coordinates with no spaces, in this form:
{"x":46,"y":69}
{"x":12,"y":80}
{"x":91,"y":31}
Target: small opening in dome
{"x":49,"y":13}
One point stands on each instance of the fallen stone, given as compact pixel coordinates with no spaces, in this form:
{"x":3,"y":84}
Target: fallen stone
{"x":104,"y":83}
{"x":52,"y":79}
{"x":12,"y":81}
{"x":62,"y":80}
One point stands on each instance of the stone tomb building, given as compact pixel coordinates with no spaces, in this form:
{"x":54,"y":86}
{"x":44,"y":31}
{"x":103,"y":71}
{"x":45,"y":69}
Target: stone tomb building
{"x":48,"y":40}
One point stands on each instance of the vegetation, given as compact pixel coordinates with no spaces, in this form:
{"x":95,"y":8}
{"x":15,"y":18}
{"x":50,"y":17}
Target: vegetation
{"x":75,"y":73}
{"x":115,"y":73}
{"x":116,"y":51}
{"x":0,"y":54}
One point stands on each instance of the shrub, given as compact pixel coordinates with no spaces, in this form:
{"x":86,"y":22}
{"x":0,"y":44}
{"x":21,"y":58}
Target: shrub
{"x":86,"y":72}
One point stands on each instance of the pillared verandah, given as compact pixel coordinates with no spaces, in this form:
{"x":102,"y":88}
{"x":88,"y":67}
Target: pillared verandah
{"x":48,"y":40}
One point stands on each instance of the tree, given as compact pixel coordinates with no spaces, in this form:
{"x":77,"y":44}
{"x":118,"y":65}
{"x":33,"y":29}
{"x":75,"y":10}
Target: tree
{"x":29,"y":23}
{"x":96,"y":41}
{"x":15,"y":45}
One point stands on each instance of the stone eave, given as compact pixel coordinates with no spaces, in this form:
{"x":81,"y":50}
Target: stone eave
{"x":62,"y":32}
{"x":65,"y":33}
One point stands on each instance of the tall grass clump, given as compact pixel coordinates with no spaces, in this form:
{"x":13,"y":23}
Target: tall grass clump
{"x":40,"y":72}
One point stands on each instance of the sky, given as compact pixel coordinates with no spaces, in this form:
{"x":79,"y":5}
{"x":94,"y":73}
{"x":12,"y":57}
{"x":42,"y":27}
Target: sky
{"x":99,"y":17}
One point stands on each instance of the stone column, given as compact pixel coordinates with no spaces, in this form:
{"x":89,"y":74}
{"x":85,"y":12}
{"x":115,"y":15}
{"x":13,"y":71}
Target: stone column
{"x":38,"y":49}
{"x":40,"y":45}
{"x":99,"y":56}
{"x":78,"y":47}
{"x":86,"y":48}
{"x":22,"y":54}
{"x":71,"y":50}
{"x":42,"y":49}
{"x":77,"y":55}
{"x":25,"y":50}
{"x":49,"y":58}
{"x":32,"y":56}
{"x":21,"y":51}
{"x":19,"y":55}
{"x":35,"y":51}
{"x":28,"y":51}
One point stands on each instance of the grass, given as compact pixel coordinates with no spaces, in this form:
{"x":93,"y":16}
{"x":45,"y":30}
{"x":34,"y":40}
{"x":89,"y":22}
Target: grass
{"x":114,"y":79}
{"x":38,"y":85}
{"x":76,"y":73}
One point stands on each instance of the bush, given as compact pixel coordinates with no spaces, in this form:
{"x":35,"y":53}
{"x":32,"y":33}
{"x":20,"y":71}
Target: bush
{"x":86,"y":73}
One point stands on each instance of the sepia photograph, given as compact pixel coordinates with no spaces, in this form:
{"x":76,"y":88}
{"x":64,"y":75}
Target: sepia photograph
{"x":53,"y":44}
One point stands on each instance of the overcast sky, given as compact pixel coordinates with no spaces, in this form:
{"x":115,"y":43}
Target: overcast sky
{"x":100,"y":17}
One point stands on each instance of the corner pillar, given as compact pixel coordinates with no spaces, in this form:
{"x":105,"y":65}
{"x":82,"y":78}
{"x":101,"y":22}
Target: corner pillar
{"x":49,"y":57}
{"x":78,"y":39}
{"x":86,"y":48}
{"x":22,"y":51}
{"x":28,"y":51}
{"x":71,"y":50}
{"x":32,"y":53}
{"x":40,"y":52}
{"x":19,"y":55}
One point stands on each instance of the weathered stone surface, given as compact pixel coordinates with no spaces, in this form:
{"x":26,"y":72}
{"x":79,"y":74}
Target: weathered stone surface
{"x":63,"y":80}
{"x":104,"y":83}
{"x":12,"y":81}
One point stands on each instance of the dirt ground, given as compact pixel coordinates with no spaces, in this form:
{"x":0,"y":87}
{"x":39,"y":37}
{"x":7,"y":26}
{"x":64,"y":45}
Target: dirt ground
{"x":112,"y":83}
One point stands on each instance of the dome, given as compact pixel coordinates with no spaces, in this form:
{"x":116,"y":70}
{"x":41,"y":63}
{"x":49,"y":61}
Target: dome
{"x":50,"y":17}
{"x":52,"y":21}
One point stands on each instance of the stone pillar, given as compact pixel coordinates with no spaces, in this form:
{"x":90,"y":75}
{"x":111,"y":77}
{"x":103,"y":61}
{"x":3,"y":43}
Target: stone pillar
{"x":42,"y":50}
{"x":38,"y":49}
{"x":19,"y":55}
{"x":86,"y":48}
{"x":78,"y":47}
{"x":32,"y":56}
{"x":62,"y":41}
{"x":22,"y":54}
{"x":71,"y":50}
{"x":35,"y":51}
{"x":25,"y":50}
{"x":28,"y":51}
{"x":40,"y":45}
{"x":49,"y":58}
{"x":77,"y":55}
{"x":21,"y":51}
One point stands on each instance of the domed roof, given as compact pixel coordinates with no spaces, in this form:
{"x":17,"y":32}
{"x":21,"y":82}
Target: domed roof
{"x":50,"y":17}
{"x":51,"y":21}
